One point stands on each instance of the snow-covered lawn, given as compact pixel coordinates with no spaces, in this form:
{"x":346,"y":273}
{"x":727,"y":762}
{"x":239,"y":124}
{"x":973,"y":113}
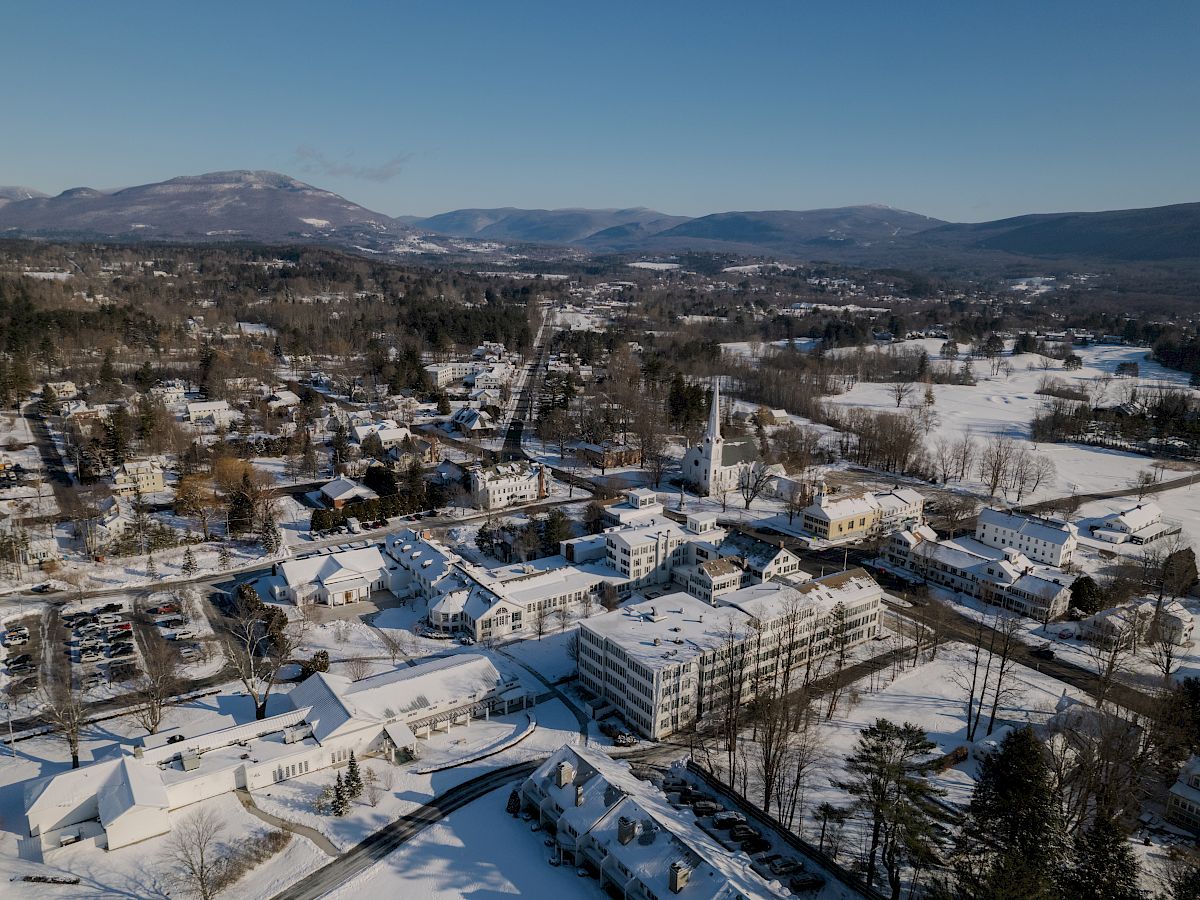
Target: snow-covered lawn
{"x":1005,"y":405}
{"x":448,"y":861}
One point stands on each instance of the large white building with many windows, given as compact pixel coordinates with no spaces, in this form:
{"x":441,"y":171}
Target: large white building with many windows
{"x":664,"y":664}
{"x":1044,"y":540}
{"x":507,"y":484}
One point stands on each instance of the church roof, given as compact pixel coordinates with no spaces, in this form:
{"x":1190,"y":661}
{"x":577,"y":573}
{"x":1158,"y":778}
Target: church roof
{"x":739,"y":450}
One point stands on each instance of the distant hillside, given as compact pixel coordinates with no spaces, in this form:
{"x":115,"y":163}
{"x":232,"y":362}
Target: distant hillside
{"x":259,"y":206}
{"x":9,"y":193}
{"x":1158,"y":233}
{"x":544,"y":226}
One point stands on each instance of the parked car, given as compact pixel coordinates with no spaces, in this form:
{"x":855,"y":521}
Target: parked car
{"x":44,"y":588}
{"x":728,"y":819}
{"x":120,"y":628}
{"x":90,"y":656}
{"x":184,"y":634}
{"x":16,"y":640}
{"x":756,"y":845}
{"x":806,"y":881}
{"x":785,"y":866}
{"x":94,"y":680}
{"x":108,"y":618}
{"x":26,"y":685}
{"x":744,"y":832}
{"x":625,"y":739}
{"x":164,"y":609}
{"x":1043,"y":653}
{"x":122,"y":650}
{"x":171,"y":622}
{"x":19,"y":659}
{"x":189,"y":652}
{"x":111,"y":607}
{"x":23,"y":669}
{"x":705,"y":808}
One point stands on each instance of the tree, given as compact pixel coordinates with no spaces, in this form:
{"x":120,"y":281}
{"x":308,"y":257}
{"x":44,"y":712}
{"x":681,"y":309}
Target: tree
{"x":556,"y":529}
{"x":885,"y":777}
{"x":1086,"y":595}
{"x":151,"y":567}
{"x":224,"y":558}
{"x":513,"y":806}
{"x":63,"y":710}
{"x":357,"y":668}
{"x":257,"y":646}
{"x":318,"y":662}
{"x":1012,"y":840}
{"x":393,"y":643}
{"x":341,"y":802}
{"x":154,"y":687}
{"x":189,"y":562}
{"x":753,"y":481}
{"x":353,"y":783}
{"x":609,"y":597}
{"x":1103,"y":867}
{"x":593,"y":517}
{"x":268,"y":536}
{"x":193,"y":855}
{"x":901,"y":391}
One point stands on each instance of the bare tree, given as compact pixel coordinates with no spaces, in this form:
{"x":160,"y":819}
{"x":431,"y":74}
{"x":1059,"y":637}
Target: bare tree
{"x":957,"y":509}
{"x":995,"y":461}
{"x":394,"y":644}
{"x":195,"y":860}
{"x":63,"y":709}
{"x":156,"y":685}
{"x":562,"y":617}
{"x":901,"y":391}
{"x":795,"y":501}
{"x":357,"y":668}
{"x":1165,"y":654}
{"x":1003,"y":690}
{"x":541,"y":620}
{"x":257,"y":648}
{"x":1110,"y":658}
{"x":1142,"y":482}
{"x":753,"y":482}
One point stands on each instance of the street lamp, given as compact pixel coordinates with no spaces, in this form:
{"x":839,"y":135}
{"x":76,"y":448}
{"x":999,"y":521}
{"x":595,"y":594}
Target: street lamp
{"x":11,"y":743}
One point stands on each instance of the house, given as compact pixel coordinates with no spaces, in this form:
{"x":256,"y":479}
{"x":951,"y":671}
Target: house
{"x":390,"y":433}
{"x":664,"y":664}
{"x":63,"y":390}
{"x":715,"y":578}
{"x":342,"y":490}
{"x":283,"y":400}
{"x":1143,"y":619}
{"x":1005,"y":578}
{"x":603,"y":818}
{"x":607,"y":454}
{"x":139,"y":476}
{"x":449,"y":373}
{"x":715,"y":465}
{"x":850,"y":517}
{"x":495,"y":376}
{"x":1042,"y":539}
{"x":212,"y":413}
{"x":1183,"y":798}
{"x":497,"y":487}
{"x":333,"y":579}
{"x":116,"y":802}
{"x":40,"y":550}
{"x":115,"y":519}
{"x":1139,"y":524}
{"x":473,"y":421}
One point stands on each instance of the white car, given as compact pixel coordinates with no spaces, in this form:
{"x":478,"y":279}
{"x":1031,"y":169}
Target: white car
{"x":183,"y":635}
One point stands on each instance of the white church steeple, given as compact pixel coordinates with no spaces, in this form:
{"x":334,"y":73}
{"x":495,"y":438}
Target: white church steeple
{"x":713,"y":434}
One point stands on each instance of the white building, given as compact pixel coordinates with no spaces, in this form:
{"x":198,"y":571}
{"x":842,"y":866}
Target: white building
{"x":602,"y":817}
{"x":1135,"y":622}
{"x":639,"y":504}
{"x":450,"y":373}
{"x":332,"y":579}
{"x":1183,"y":799}
{"x":121,"y":801}
{"x":664,"y":664}
{"x":342,"y":490}
{"x":390,"y":433}
{"x":63,"y":390}
{"x":1044,"y":540}
{"x":139,"y":476}
{"x":213,"y":413}
{"x":472,"y":421}
{"x":497,"y":487}
{"x":717,"y":465}
{"x":1005,"y":578}
{"x":1139,"y":524}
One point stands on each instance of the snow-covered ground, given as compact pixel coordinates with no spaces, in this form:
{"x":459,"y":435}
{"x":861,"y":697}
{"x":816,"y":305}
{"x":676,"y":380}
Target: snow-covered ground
{"x":1005,"y":405}
{"x":448,"y":861}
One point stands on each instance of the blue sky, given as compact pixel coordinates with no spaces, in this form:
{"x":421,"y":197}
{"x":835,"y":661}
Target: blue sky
{"x":965,"y":111}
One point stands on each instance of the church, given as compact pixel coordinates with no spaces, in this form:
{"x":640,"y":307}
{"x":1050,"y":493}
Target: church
{"x":716,"y":465}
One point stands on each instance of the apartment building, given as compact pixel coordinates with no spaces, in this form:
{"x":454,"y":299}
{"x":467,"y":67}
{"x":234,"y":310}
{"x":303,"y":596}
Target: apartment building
{"x":140,"y":476}
{"x":1044,"y":540}
{"x":504,"y":485}
{"x":665,"y":664}
{"x":855,"y":516}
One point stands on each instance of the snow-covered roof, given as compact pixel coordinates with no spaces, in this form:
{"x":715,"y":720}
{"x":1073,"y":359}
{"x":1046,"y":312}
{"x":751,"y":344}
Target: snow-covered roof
{"x":366,"y":563}
{"x":47,"y":800}
{"x":1052,"y":531}
{"x":131,"y":785}
{"x":1136,"y":518}
{"x":343,"y":488}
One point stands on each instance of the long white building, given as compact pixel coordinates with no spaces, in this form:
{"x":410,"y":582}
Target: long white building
{"x":665,"y":664}
{"x":1044,"y":540}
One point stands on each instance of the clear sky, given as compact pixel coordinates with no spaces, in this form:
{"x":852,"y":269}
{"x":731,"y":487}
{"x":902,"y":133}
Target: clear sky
{"x":965,"y":110}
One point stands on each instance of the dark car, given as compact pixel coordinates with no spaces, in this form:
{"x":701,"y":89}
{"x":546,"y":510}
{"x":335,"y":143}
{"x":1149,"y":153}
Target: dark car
{"x":744,"y":832}
{"x":705,"y":808}
{"x":1043,"y":653}
{"x":806,"y":881}
{"x":122,"y":650}
{"x":756,"y":845}
{"x":18,"y":660}
{"x":785,"y":866}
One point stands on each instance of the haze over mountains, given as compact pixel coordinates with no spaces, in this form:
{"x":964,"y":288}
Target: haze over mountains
{"x":272,"y":208}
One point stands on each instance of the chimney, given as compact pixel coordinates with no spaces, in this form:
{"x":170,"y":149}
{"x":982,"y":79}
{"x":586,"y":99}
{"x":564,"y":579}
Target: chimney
{"x":679,"y":876}
{"x":579,"y":795}
{"x":565,"y":774}
{"x":626,"y":829}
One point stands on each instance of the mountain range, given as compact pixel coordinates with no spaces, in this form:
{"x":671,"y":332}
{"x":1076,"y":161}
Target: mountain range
{"x":268,"y":207}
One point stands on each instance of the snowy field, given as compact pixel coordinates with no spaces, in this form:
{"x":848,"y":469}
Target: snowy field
{"x":1005,"y":405}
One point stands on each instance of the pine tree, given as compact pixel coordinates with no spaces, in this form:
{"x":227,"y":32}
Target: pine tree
{"x":224,"y":558}
{"x":189,"y":562}
{"x":513,"y":807}
{"x":353,"y":783}
{"x":341,"y":804}
{"x":269,"y":536}
{"x":1103,"y":867}
{"x":151,"y":568}
{"x":1012,"y":838}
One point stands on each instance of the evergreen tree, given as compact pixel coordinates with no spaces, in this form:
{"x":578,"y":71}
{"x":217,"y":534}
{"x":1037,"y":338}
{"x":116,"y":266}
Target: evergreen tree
{"x":189,"y":562}
{"x":268,"y":535}
{"x":151,"y":568}
{"x":443,"y":404}
{"x":1012,"y":838}
{"x":558,"y":528}
{"x":353,"y":783}
{"x":48,"y":403}
{"x":224,"y":558}
{"x":1103,"y":867}
{"x":145,"y":377}
{"x":341,"y":803}
{"x":241,"y":507}
{"x":1086,"y":595}
{"x":513,"y":807}
{"x":108,"y":374}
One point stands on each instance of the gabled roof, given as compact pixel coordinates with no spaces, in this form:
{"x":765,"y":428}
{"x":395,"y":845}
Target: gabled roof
{"x":131,"y":785}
